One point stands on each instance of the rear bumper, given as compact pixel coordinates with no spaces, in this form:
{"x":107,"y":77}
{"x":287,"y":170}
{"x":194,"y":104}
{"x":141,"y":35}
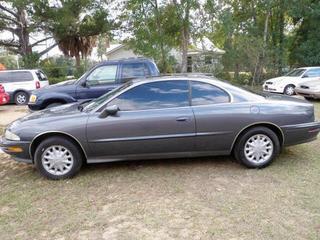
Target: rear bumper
{"x":4,"y":98}
{"x":23,"y":156}
{"x":308,"y":93}
{"x":300,"y":133}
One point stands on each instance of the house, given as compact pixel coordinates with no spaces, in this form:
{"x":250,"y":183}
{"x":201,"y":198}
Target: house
{"x":118,"y":51}
{"x":203,"y":55}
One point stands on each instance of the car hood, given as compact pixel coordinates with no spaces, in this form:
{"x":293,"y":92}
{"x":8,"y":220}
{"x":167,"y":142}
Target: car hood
{"x":48,"y":117}
{"x":65,"y":86}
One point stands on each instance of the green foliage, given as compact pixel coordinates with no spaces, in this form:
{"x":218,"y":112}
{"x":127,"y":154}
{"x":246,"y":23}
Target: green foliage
{"x":75,"y":24}
{"x":304,"y":50}
{"x":9,"y":61}
{"x":30,"y":60}
{"x":57,"y":67}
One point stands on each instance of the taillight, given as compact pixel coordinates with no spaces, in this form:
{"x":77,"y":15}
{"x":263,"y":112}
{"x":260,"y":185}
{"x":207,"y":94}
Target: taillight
{"x":37,"y":84}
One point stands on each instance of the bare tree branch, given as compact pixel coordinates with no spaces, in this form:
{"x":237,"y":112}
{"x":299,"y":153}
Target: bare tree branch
{"x":9,"y":11}
{"x":8,"y":43}
{"x":42,"y":40}
{"x":3,"y":16}
{"x":48,"y":49}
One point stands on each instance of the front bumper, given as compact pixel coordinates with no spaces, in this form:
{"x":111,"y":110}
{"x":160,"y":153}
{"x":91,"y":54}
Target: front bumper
{"x":272,"y":88}
{"x":300,"y":133}
{"x":35,"y":106}
{"x":308,"y":93}
{"x":21,"y":156}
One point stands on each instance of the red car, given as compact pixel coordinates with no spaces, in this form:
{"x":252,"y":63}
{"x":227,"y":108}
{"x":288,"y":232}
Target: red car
{"x":4,"y":97}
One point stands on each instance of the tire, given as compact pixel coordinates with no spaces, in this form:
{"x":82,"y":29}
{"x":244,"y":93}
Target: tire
{"x":265,"y":154}
{"x":289,"y":90}
{"x":55,"y":169}
{"x":21,"y":98}
{"x":309,"y":98}
{"x":51,"y":105}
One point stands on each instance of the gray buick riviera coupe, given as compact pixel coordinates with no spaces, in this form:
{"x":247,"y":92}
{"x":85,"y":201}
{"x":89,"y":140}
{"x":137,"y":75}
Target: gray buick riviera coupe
{"x":162,"y":117}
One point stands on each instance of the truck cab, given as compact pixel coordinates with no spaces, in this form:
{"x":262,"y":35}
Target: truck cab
{"x":99,"y":80}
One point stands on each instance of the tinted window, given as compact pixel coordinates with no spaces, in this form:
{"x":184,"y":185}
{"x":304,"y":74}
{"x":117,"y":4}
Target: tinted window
{"x":164,"y":94}
{"x":134,"y":70}
{"x":296,"y":72}
{"x":313,"y":73}
{"x":21,"y":76}
{"x":204,"y":94}
{"x":102,"y":75}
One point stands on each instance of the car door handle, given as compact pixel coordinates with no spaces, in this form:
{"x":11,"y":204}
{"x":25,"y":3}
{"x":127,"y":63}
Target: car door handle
{"x":182,"y":119}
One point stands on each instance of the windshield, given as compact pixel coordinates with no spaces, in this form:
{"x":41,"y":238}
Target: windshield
{"x":296,"y":72}
{"x":98,"y":101}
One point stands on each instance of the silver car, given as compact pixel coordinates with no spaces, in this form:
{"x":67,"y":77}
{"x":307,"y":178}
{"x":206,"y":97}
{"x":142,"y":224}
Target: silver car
{"x":309,"y":89}
{"x":164,"y":117}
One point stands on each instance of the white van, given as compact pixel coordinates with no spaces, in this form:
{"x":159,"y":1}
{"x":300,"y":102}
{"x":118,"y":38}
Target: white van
{"x":20,"y":83}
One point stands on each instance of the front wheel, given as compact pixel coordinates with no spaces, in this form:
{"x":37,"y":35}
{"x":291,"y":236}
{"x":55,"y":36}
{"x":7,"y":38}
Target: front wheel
{"x":58,"y":158}
{"x":257,"y":147}
{"x":289,"y":90}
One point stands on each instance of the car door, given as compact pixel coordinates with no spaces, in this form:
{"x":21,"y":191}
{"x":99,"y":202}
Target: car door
{"x":100,"y":81}
{"x":154,"y":119}
{"x":214,"y":115}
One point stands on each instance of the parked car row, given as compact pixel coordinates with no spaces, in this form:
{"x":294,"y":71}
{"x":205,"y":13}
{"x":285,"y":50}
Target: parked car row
{"x":302,"y":81}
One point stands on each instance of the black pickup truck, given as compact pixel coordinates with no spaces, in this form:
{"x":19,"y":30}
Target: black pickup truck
{"x":97,"y":81}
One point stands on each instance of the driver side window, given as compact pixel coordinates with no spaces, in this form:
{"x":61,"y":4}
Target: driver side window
{"x":102,"y":75}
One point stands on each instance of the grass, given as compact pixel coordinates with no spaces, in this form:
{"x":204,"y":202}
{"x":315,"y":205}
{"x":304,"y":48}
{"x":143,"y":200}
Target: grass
{"x":207,"y":198}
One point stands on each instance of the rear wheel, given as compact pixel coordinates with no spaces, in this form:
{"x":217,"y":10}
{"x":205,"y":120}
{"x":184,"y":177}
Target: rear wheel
{"x":257,"y":147}
{"x":289,"y":90}
{"x":21,"y":98}
{"x":58,"y":158}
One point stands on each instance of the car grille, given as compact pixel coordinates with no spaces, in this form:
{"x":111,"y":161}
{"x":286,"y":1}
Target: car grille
{"x":269,"y":83}
{"x":304,"y":87}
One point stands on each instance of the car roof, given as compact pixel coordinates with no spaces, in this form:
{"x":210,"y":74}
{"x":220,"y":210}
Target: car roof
{"x":20,"y":70}
{"x":127,"y":60}
{"x":313,"y":67}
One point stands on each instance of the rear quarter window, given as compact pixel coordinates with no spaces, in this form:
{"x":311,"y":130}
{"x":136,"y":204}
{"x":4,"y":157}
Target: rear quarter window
{"x":134,"y":70}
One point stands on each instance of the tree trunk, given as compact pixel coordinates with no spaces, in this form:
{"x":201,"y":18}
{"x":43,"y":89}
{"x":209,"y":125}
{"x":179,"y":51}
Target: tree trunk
{"x":185,"y":38}
{"x":281,"y":37}
{"x":261,"y":57}
{"x":78,"y":62}
{"x":160,"y":30}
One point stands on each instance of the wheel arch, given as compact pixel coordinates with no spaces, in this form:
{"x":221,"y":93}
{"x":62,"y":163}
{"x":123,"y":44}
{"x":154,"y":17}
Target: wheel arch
{"x":276,"y":129}
{"x":42,"y":136}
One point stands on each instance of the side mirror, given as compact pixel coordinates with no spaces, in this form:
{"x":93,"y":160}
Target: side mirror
{"x":85,"y":84}
{"x":305,"y":76}
{"x":109,"y":111}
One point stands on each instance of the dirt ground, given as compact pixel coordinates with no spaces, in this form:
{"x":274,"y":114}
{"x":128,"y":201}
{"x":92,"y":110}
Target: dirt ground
{"x":204,"y":198}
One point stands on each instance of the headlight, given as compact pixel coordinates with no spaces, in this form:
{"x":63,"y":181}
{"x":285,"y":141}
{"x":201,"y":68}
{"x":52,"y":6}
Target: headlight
{"x":11,"y":136}
{"x":33,"y":98}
